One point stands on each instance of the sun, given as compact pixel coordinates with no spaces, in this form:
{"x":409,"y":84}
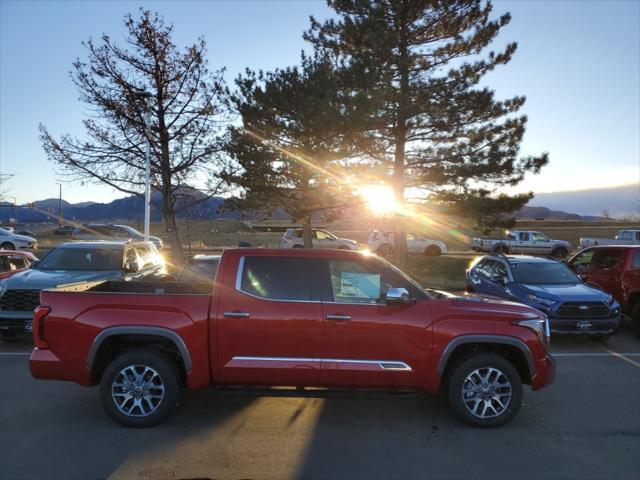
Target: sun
{"x":379,"y":198}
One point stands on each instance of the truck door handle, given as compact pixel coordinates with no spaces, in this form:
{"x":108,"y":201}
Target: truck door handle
{"x":338,"y":318}
{"x":237,"y":314}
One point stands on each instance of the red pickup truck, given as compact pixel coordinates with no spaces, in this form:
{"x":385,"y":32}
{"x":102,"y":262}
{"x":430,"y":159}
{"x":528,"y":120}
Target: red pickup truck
{"x":321,"y":318}
{"x":614,"y":269}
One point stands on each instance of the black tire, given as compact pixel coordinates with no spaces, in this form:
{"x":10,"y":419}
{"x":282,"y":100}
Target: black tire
{"x":298,"y":246}
{"x":635,"y":316}
{"x":560,"y":253}
{"x":458,"y":378}
{"x":599,"y":338}
{"x":432,"y":251}
{"x":166,"y":371}
{"x":7,"y":246}
{"x":501,"y":249}
{"x":385,"y":250}
{"x":343,"y":247}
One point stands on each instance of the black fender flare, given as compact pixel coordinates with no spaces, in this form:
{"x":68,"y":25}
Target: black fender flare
{"x":489,"y":339}
{"x":139,"y":330}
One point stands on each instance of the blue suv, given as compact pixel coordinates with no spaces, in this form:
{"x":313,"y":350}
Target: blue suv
{"x":571,"y":305}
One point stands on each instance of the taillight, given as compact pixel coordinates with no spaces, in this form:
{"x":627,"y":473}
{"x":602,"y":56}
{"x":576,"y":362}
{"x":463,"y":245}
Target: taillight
{"x":38,"y":326}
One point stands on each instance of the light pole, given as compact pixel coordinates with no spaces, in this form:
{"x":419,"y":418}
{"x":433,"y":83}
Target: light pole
{"x":146,"y":96}
{"x":60,"y":206}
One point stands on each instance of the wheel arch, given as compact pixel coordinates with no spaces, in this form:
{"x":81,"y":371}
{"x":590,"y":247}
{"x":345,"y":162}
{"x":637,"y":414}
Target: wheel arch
{"x":106,"y":344}
{"x":513,"y":349}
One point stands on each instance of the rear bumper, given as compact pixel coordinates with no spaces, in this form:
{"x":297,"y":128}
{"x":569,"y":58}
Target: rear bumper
{"x":45,"y":365}
{"x":585,"y":326}
{"x":545,"y":373}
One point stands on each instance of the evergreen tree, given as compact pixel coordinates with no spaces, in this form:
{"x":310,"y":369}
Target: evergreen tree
{"x":293,"y":137}
{"x":417,"y":65}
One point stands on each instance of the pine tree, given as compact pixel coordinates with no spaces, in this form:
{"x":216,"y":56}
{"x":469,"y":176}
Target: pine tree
{"x":293,"y":137}
{"x":418,"y":65}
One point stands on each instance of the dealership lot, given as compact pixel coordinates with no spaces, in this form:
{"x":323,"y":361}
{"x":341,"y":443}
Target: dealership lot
{"x":586,"y":425}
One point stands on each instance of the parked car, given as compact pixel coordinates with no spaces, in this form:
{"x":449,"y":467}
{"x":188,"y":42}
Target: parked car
{"x":65,"y":230}
{"x":572,"y":306}
{"x":523,"y":241}
{"x":12,"y":262}
{"x":614,"y":269}
{"x":200,"y":268}
{"x":624,"y":237}
{"x":12,"y":241}
{"x":292,"y":238}
{"x":382,"y":243}
{"x":96,"y":231}
{"x":70,"y":263}
{"x":325,"y":318}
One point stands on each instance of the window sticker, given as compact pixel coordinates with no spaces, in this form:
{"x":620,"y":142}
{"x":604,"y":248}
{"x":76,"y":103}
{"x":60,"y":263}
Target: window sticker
{"x":360,"y":285}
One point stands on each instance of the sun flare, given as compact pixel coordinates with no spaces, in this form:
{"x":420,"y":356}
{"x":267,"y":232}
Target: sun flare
{"x":379,"y":198}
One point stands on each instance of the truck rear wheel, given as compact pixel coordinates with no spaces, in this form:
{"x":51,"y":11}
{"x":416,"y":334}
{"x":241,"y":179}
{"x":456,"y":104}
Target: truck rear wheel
{"x":560,"y":253}
{"x":485,"y":390}
{"x":432,"y":251}
{"x":503,"y":249}
{"x":140,"y":388}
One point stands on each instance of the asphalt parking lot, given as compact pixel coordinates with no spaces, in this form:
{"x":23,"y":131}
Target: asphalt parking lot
{"x":586,"y":425}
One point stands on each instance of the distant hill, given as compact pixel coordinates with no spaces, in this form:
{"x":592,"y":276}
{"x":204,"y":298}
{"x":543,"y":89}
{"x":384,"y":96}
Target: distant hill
{"x":585,"y":205}
{"x":623,"y":201}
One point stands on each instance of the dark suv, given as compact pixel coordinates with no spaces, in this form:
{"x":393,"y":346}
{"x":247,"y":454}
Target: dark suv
{"x":101,"y":231}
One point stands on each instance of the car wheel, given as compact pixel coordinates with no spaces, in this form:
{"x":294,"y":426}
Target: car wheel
{"x":560,"y":253}
{"x":385,"y":250}
{"x":432,"y":251}
{"x":501,"y":249}
{"x":599,"y":338}
{"x":485,"y":390}
{"x":7,"y":246}
{"x":298,"y":246}
{"x":635,"y":316}
{"x":140,"y":388}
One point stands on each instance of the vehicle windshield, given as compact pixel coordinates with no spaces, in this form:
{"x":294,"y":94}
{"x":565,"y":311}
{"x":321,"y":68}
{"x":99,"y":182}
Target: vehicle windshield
{"x":543,"y":274}
{"x":83,"y":259}
{"x":131,"y":230}
{"x":199,"y":271}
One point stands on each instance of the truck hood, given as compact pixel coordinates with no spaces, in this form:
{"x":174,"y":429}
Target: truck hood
{"x":484,"y":306}
{"x":35,"y":279}
{"x":577,"y":292}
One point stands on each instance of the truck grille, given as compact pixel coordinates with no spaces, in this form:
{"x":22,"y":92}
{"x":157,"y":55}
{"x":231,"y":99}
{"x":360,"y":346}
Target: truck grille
{"x":583,"y":310}
{"x":20,"y":300}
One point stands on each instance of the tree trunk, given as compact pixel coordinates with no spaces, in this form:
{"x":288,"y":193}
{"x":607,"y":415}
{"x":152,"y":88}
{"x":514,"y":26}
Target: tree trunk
{"x":400,"y":243}
{"x":307,"y":237}
{"x":171,"y":227}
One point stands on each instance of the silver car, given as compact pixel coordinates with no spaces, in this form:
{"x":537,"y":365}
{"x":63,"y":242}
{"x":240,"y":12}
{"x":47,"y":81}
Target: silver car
{"x":292,"y":238}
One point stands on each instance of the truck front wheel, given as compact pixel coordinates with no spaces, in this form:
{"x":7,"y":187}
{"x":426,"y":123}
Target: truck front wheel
{"x":140,"y":388}
{"x":560,"y":253}
{"x":485,"y":390}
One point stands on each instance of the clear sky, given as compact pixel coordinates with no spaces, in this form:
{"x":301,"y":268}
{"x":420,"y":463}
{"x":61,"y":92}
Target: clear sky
{"x":578,"y":63}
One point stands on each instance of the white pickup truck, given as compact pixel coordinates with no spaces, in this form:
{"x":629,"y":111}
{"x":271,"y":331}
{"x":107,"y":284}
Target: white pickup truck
{"x":523,"y":241}
{"x":624,"y":237}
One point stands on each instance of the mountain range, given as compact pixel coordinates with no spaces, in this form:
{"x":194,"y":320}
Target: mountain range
{"x":585,"y":205}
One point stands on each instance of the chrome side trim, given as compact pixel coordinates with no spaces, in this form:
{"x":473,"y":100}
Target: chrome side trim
{"x":383,"y":364}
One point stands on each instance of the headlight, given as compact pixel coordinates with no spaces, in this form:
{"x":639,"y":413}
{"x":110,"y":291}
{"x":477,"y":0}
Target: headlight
{"x":540,"y":327}
{"x":547,"y":302}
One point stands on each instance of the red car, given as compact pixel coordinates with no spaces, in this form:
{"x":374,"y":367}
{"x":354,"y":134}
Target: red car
{"x":614,"y":269}
{"x":13,"y":261}
{"x":321,"y":318}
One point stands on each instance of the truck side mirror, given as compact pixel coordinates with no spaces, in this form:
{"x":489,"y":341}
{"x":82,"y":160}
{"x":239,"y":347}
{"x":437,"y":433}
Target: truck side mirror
{"x":398,"y":296}
{"x":131,"y":266}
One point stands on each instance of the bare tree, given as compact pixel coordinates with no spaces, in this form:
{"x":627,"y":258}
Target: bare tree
{"x":184,"y":119}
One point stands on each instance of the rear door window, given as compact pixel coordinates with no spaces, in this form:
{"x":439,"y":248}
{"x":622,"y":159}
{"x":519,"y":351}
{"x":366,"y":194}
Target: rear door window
{"x":276,"y":278}
{"x":523,"y":236}
{"x":635,"y":264}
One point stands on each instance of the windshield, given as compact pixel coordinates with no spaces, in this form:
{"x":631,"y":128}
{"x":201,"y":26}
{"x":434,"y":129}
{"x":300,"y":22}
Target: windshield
{"x":543,"y":274}
{"x":130,"y":230}
{"x":199,"y":271}
{"x":83,"y":259}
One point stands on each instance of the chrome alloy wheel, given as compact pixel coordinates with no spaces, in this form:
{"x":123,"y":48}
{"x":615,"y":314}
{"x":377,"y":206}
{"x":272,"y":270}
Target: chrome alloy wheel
{"x":137,"y":390}
{"x":486,"y":393}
